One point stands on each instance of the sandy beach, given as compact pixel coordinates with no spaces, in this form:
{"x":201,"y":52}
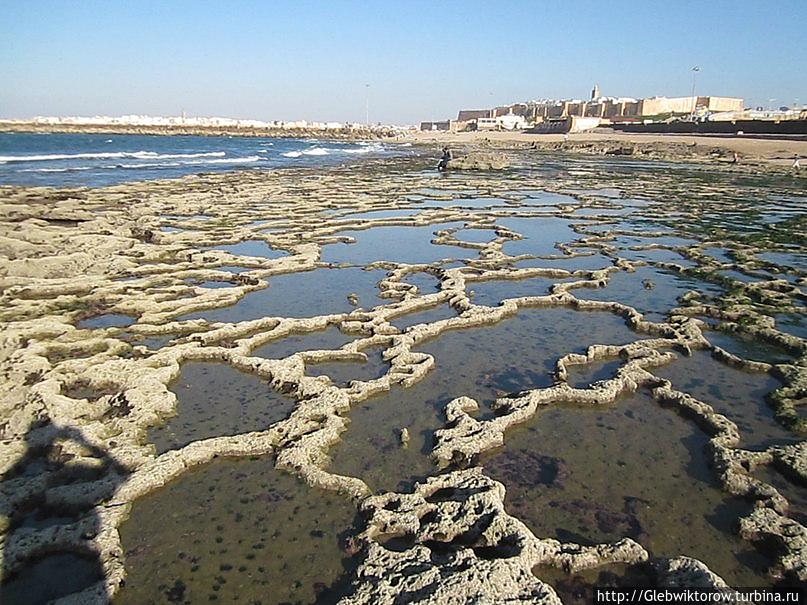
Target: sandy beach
{"x":774,"y":152}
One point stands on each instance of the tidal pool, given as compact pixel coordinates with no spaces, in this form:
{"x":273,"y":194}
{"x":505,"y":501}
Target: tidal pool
{"x":107,"y":320}
{"x":652,"y":292}
{"x":379,"y":214}
{"x":215,"y":399}
{"x":305,"y":294}
{"x":792,"y":323}
{"x":540,"y":235}
{"x":341,"y":373}
{"x":326,"y":340}
{"x":493,"y":292}
{"x":588,"y":262}
{"x":426,"y":283}
{"x":748,"y":348}
{"x":737,"y":394}
{"x":510,"y":356}
{"x":598,"y":474}
{"x":478,"y":202}
{"x":656,"y":255}
{"x":409,"y":245}
{"x":252,"y":247}
{"x":235,"y":531}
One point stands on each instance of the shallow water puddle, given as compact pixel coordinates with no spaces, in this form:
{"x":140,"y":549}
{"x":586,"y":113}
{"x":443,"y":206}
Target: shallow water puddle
{"x":792,"y":323}
{"x":252,"y":247}
{"x":342,"y":373}
{"x":493,"y":292}
{"x":631,"y":469}
{"x":582,"y":376}
{"x":735,"y":393}
{"x":234,"y":532}
{"x":721,"y":255}
{"x":737,"y":275}
{"x":625,"y":241}
{"x":409,"y":245}
{"x":746,"y":348}
{"x":380,"y":214}
{"x":305,"y":294}
{"x":209,"y":284}
{"x":588,"y":262}
{"x":785,"y":259}
{"x":426,"y":283}
{"x":537,"y":197}
{"x":656,"y":255}
{"x":652,"y":292}
{"x":540,"y":235}
{"x":284,"y":346}
{"x":232,"y":269}
{"x":107,"y":320}
{"x":215,"y":399}
{"x":513,"y":355}
{"x":458,"y":202}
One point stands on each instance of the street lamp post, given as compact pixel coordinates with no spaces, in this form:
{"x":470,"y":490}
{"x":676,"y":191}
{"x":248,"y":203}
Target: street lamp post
{"x":367,"y":105}
{"x":695,"y":71}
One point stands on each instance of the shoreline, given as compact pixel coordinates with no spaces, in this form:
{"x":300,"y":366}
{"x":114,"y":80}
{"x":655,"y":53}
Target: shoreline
{"x":766,"y":153}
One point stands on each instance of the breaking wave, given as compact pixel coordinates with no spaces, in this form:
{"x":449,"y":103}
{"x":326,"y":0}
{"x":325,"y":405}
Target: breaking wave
{"x":138,"y":155}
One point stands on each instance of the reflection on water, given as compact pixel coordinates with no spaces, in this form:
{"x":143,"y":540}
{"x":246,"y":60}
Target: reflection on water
{"x":409,"y":245}
{"x":307,"y":294}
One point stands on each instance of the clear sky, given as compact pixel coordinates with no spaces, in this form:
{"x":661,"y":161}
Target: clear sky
{"x":422,"y":60}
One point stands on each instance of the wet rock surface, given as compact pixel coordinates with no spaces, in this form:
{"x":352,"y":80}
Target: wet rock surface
{"x":637,"y":307}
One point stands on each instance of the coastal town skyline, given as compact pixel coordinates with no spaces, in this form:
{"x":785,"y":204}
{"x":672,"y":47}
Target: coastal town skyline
{"x":339,"y":62}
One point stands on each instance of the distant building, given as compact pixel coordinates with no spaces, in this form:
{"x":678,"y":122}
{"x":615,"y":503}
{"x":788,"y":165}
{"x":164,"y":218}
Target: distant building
{"x":661,"y":105}
{"x":436,"y":125}
{"x":613,"y":109}
{"x":466,"y":115}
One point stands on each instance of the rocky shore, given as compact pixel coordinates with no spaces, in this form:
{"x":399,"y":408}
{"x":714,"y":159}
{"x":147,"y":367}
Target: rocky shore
{"x":79,"y":395}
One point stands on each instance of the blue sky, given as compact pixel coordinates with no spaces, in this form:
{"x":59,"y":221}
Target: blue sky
{"x":313,"y":59}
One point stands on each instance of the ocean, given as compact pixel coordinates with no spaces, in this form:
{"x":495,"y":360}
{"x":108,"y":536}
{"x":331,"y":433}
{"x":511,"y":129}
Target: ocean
{"x":96,"y":160}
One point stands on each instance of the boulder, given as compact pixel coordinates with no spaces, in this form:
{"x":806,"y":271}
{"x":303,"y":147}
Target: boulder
{"x":479,"y":161}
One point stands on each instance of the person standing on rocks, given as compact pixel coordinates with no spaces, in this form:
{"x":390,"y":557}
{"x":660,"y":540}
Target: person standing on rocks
{"x":445,"y":159}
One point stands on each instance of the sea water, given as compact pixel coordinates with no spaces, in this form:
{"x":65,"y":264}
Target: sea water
{"x":96,"y":160}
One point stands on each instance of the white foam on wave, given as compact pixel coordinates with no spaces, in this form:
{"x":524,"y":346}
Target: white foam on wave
{"x":245,"y":160}
{"x":292,"y":154}
{"x":316,"y":151}
{"x":198,"y":162}
{"x":366,"y":148}
{"x":74,"y":169}
{"x":139,"y":155}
